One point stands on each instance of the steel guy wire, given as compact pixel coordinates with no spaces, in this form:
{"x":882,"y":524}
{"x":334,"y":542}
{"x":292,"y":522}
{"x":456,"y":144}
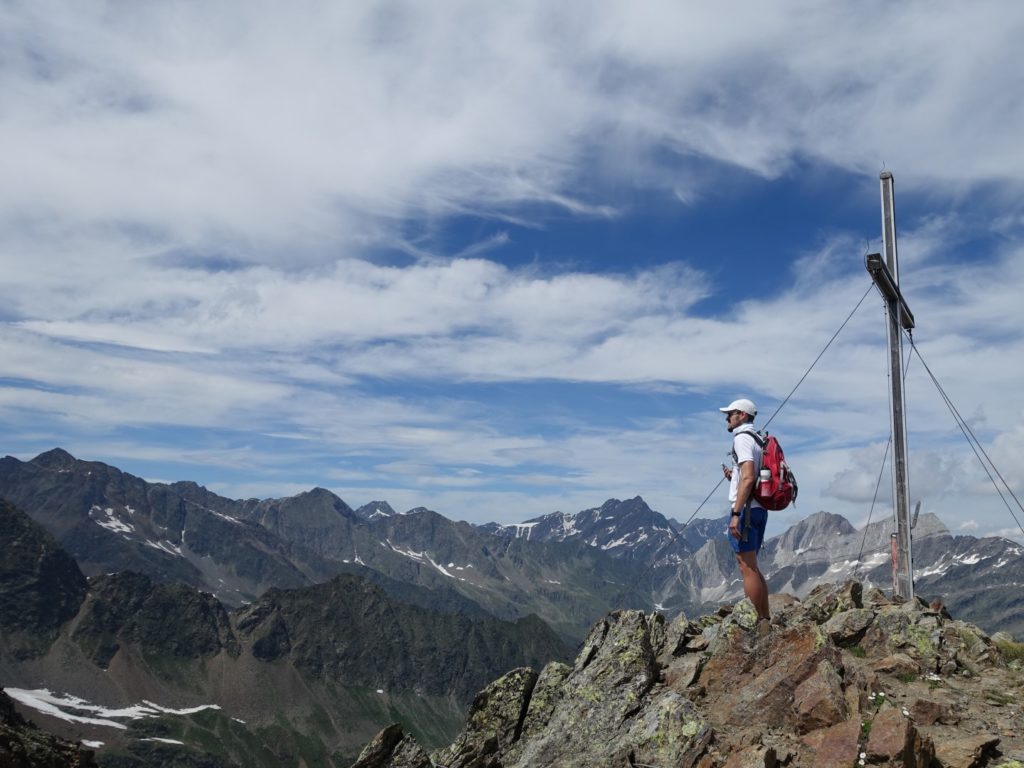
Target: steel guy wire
{"x":878,"y":484}
{"x":973,"y":441}
{"x":675,"y":534}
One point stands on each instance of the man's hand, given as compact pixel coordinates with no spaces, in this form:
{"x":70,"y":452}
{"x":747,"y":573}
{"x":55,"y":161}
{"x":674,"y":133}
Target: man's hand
{"x":727,"y":472}
{"x":734,"y":526}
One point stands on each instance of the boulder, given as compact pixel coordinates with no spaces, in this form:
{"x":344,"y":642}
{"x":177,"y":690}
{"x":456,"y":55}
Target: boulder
{"x":592,"y":720}
{"x":671,"y":731}
{"x":972,"y":751}
{"x":847,"y":627}
{"x":928,"y":712}
{"x":409,"y":754}
{"x":750,"y":689}
{"x":834,"y":747}
{"x":752,"y":757}
{"x":819,"y":700}
{"x":494,"y":724}
{"x":377,"y":753}
{"x":894,"y":739}
{"x":897,"y":664}
{"x":713,"y":692}
{"x":392,"y":749}
{"x":825,"y":600}
{"x":547,"y":692}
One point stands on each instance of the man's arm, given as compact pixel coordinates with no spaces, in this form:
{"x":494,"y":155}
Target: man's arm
{"x":744,"y":489}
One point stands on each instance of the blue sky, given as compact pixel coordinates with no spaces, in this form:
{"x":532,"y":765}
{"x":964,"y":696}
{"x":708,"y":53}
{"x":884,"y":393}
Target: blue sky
{"x":505,"y":259}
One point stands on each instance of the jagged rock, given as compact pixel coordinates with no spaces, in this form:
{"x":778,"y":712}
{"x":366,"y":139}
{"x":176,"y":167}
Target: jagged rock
{"x":658,"y":633}
{"x":928,"y":712}
{"x":684,"y":673}
{"x":967,"y":751}
{"x":832,"y":600}
{"x":670,"y":732}
{"x":712,"y":692}
{"x":22,"y":745}
{"x":835,"y":747}
{"x":494,"y":724}
{"x":847,"y":627}
{"x":971,"y":648}
{"x":616,"y":667}
{"x":698,"y":643}
{"x":377,"y":753}
{"x":41,"y":586}
{"x":677,"y":635}
{"x":744,"y":615}
{"x":897,"y":664}
{"x":896,"y":630}
{"x":753,"y":687}
{"x":391,"y":748}
{"x":409,"y":754}
{"x":875,"y":598}
{"x":546,"y":694}
{"x":894,"y":739}
{"x":819,"y":700}
{"x":752,"y":757}
{"x":597,"y":722}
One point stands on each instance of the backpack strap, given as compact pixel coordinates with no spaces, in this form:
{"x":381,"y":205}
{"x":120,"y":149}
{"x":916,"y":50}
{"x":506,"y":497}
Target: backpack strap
{"x":761,"y":441}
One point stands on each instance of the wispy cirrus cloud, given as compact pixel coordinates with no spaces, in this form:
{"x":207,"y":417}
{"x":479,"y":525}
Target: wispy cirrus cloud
{"x":306,"y":239}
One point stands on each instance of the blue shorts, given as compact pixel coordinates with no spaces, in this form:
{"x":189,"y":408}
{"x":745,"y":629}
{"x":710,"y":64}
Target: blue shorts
{"x":755,"y":533}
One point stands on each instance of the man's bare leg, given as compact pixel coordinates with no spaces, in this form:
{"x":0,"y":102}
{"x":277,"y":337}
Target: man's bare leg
{"x":754,"y":585}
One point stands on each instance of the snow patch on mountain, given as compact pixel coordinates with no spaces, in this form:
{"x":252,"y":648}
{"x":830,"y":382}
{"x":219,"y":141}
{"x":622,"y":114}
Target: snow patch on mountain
{"x":630,"y":539}
{"x":423,"y":557}
{"x":109,"y":520}
{"x":72,"y":709}
{"x":165,"y":546}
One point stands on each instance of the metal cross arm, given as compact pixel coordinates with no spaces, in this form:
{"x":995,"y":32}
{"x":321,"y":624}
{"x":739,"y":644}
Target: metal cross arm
{"x":890,"y":290}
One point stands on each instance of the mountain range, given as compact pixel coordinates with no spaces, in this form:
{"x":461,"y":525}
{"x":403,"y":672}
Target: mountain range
{"x":566,"y":568}
{"x":300,"y":675}
{"x":316,"y":622}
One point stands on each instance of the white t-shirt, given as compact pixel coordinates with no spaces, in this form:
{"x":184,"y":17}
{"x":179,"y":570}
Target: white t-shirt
{"x":745,"y":448}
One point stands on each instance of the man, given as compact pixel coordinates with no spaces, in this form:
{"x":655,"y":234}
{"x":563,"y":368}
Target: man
{"x":748,"y":518}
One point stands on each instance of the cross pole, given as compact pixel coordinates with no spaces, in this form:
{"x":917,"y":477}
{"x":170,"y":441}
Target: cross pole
{"x":886,"y":277}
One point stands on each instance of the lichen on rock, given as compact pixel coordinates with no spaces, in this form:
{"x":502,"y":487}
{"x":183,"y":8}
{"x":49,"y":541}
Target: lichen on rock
{"x":844,"y":673}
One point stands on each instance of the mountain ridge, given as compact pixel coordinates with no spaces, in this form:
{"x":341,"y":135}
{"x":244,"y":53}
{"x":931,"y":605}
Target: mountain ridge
{"x":304,"y":673}
{"x":569,"y":568}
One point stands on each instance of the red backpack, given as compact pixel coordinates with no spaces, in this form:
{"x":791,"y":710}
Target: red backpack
{"x":778,"y":489}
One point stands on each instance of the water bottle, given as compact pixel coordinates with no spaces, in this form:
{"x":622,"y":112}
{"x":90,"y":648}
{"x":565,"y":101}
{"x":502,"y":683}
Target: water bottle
{"x":765,"y":481}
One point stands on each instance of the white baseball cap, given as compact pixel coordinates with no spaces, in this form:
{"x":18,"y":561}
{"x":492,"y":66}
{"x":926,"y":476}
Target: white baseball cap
{"x":742,"y":404}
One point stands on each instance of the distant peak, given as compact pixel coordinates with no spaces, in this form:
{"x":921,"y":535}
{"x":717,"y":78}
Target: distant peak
{"x":822,"y":520}
{"x":420,"y":511}
{"x":322,"y":496}
{"x":375,"y":510}
{"x":622,"y":508}
{"x":317,"y":492}
{"x":54,"y":459}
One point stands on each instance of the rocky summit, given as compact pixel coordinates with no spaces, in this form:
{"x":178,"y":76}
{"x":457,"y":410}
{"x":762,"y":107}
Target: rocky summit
{"x":845,"y":677}
{"x":22,"y":745}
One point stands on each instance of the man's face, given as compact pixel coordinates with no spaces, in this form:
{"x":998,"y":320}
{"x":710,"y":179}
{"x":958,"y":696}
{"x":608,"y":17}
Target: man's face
{"x":733,"y":419}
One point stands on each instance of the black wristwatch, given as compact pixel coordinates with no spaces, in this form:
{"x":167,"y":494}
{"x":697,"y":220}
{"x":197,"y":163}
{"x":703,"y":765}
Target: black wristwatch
{"x":735,"y":514}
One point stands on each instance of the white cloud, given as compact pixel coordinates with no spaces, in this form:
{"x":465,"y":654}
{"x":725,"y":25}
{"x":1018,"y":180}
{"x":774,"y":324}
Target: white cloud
{"x":273,"y":128}
{"x":232,"y":217}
